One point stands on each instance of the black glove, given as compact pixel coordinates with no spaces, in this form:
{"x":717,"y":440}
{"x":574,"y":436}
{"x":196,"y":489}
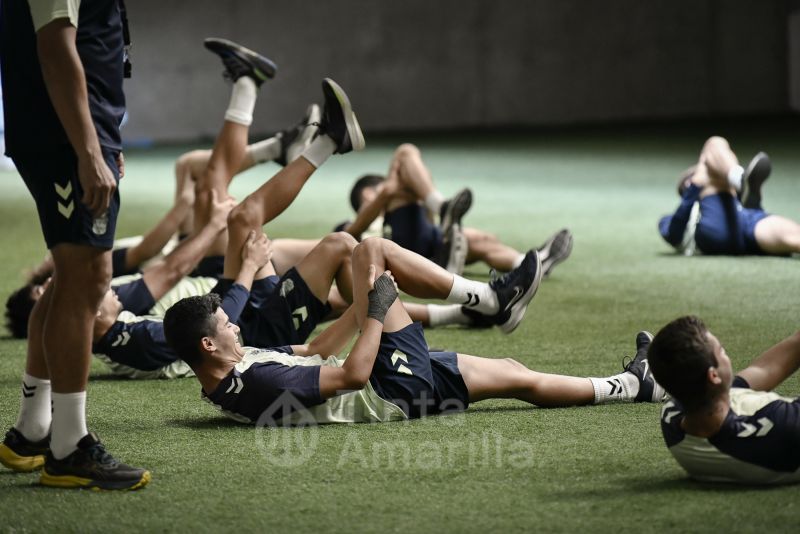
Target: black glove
{"x":381,"y":297}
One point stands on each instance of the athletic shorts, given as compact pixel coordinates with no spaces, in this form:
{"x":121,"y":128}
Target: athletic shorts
{"x":210,"y":266}
{"x":286,"y":315}
{"x":409,"y":227}
{"x":53,"y":182}
{"x":726,"y":227}
{"x":419,"y":382}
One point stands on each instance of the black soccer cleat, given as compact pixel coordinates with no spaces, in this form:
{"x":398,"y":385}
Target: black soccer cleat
{"x":91,"y":467}
{"x":477,"y":319}
{"x":240,"y":61}
{"x":754,"y":177}
{"x":295,"y":139}
{"x":649,"y":390}
{"x":515,"y":290}
{"x":21,"y":455}
{"x":338,"y":119}
{"x":555,"y":250}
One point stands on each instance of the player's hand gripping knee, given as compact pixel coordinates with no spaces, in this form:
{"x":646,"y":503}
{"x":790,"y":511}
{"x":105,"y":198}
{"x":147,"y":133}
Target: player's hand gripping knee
{"x":382,"y":295}
{"x":257,"y":249}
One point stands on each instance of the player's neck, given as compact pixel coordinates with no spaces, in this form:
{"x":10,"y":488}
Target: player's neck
{"x":707,"y":421}
{"x":102,"y":324}
{"x":212,"y":371}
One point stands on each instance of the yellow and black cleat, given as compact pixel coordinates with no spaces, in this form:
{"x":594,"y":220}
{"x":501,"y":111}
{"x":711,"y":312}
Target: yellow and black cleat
{"x":21,"y":455}
{"x":91,"y":467}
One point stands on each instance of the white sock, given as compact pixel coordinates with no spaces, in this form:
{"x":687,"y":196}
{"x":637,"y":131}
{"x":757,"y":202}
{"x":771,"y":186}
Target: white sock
{"x":243,"y":101}
{"x":434,"y":202}
{"x":735,"y":177}
{"x":518,"y":260}
{"x":69,"y":422}
{"x":445,"y":314}
{"x":475,"y":295}
{"x":319,"y":150}
{"x":34,"y":413}
{"x":616,"y":388}
{"x":266,"y":150}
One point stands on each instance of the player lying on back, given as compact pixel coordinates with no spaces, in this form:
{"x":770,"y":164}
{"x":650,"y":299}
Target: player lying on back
{"x":721,"y":426}
{"x":388,"y":375}
{"x":403,"y":203}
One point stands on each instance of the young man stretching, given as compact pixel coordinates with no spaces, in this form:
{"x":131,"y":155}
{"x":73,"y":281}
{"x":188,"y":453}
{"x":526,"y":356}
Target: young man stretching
{"x":388,"y":375}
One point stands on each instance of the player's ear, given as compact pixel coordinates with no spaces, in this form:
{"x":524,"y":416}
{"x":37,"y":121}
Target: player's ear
{"x":207,"y":344}
{"x":712,"y":375}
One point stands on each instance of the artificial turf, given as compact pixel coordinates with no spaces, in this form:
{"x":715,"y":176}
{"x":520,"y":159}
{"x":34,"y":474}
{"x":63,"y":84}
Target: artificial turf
{"x":502,"y":466}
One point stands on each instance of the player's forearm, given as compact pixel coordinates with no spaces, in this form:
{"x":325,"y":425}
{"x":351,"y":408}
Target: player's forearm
{"x":158,"y":236}
{"x":775,"y":365}
{"x":66,"y":85}
{"x":361,"y":360}
{"x":367,"y":214}
{"x":334,"y":338}
{"x":247,"y":273}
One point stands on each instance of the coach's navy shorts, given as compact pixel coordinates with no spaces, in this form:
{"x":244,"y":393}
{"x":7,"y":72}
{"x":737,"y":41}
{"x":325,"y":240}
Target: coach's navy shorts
{"x":726,"y":227}
{"x":409,"y":227}
{"x":420,"y":382}
{"x":285,"y":316}
{"x":53,"y":182}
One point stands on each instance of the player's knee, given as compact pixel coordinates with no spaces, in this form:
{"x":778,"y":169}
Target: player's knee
{"x":342,"y":242}
{"x":716,"y":143}
{"x":244,"y":216}
{"x":514,"y":363}
{"x":367,"y":249}
{"x":406,"y":151}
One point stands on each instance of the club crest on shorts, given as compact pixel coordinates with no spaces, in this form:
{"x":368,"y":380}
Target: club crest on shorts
{"x":100,"y":224}
{"x":286,"y":287}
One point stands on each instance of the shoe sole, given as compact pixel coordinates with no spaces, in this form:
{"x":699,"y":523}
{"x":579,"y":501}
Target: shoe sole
{"x":459,"y":207}
{"x":756,"y":174}
{"x":520,"y":307}
{"x":457,"y":253}
{"x":264,"y":68}
{"x":74,"y":482}
{"x":558,"y":249}
{"x":351,"y":122}
{"x":20,"y":464}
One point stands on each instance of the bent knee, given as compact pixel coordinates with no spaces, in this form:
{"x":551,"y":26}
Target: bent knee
{"x":406,"y":150}
{"x":245,"y":215}
{"x":341,"y":240}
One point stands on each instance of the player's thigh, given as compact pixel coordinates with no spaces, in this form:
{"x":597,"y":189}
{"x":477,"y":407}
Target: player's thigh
{"x":286,"y":253}
{"x":778,"y":235}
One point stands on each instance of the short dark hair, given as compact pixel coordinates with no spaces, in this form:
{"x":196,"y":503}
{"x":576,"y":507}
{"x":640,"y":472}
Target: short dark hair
{"x":187,"y":322}
{"x":368,"y":180}
{"x":680,"y":356}
{"x":18,"y":310}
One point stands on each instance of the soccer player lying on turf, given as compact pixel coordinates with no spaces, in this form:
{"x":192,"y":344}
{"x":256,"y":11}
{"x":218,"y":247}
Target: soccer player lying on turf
{"x":389,"y":373}
{"x":407,"y":198}
{"x":721,"y":426}
{"x":712,"y":219}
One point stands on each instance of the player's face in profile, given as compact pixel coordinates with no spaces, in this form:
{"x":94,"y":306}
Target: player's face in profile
{"x":227,"y":335}
{"x":724,"y":367}
{"x":110,"y":306}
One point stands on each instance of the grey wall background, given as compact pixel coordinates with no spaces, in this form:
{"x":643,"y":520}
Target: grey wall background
{"x":446,"y":64}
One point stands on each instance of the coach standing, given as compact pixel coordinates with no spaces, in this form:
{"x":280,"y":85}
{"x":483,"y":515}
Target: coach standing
{"x":63,"y":64}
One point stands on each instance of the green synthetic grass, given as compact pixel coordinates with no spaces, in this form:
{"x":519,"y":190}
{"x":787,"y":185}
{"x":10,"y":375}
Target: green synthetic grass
{"x":503,"y":465}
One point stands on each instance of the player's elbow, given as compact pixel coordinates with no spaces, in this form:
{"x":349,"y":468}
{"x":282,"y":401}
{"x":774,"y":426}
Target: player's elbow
{"x":355,"y":380}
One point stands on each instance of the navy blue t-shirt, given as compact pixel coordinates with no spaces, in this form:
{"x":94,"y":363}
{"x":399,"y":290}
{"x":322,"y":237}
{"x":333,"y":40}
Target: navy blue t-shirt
{"x":31,"y":123}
